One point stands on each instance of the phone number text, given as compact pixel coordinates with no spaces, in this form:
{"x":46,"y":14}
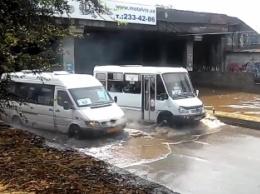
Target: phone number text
{"x":135,"y":17}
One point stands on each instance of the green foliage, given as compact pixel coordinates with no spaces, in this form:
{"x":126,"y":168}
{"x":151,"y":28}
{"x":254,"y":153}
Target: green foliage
{"x":29,"y":35}
{"x":28,"y":32}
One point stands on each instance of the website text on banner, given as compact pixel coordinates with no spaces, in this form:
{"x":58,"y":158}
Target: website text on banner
{"x":115,"y":12}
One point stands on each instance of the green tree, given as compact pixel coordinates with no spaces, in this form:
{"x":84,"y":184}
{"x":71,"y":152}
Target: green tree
{"x":28,"y":32}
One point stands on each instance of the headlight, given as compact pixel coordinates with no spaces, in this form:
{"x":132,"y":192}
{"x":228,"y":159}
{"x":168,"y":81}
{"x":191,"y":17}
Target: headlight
{"x":183,"y":110}
{"x":92,"y":123}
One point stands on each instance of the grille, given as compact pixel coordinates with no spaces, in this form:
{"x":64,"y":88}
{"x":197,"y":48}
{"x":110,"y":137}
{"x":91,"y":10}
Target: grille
{"x":108,"y":123}
{"x":197,"y":110}
{"x":192,"y":107}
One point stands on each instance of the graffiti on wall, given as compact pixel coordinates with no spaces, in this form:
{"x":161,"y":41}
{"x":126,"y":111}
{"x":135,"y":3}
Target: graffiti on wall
{"x":252,"y":66}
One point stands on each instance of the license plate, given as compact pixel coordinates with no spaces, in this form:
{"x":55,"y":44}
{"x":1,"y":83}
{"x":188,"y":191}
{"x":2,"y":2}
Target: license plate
{"x":197,"y":118}
{"x":111,"y":130}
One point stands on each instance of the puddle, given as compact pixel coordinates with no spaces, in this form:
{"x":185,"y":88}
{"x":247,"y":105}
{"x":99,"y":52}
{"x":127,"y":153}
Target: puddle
{"x":138,"y":145}
{"x":146,"y":147}
{"x":231,"y":101}
{"x":134,"y":152}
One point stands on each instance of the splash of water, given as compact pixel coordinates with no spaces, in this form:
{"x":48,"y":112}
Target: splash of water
{"x":212,"y":122}
{"x":113,"y":154}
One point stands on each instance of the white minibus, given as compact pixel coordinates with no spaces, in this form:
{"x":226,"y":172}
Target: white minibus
{"x":76,"y":104}
{"x":164,"y":95}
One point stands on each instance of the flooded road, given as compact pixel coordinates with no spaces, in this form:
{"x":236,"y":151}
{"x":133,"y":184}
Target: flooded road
{"x":211,"y":158}
{"x":220,"y":163}
{"x":151,"y":145}
{"x":231,"y":101}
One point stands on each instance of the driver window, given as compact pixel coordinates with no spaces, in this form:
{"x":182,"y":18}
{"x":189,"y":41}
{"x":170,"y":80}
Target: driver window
{"x":63,"y":96}
{"x":160,"y":87}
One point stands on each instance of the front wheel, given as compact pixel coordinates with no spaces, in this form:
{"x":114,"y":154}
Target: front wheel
{"x":166,"y":121}
{"x":75,"y":132}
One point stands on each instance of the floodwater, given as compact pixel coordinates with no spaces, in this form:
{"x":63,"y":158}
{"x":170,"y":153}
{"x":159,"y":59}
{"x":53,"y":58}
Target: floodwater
{"x":231,"y":101}
{"x":137,"y":145}
{"x":152,"y":145}
{"x":210,"y":158}
{"x":221,"y":163}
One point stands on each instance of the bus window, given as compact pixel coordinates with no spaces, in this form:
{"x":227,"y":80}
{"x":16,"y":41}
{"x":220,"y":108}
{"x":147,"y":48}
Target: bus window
{"x":132,"y":84}
{"x":132,"y":87}
{"x":114,"y":86}
{"x":102,"y":78}
{"x":160,"y":87}
{"x":115,"y":82}
{"x":103,"y":83}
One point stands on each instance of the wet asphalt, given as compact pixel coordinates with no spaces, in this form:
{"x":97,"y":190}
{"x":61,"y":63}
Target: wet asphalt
{"x":219,"y":160}
{"x":225,"y":162}
{"x":212,"y":158}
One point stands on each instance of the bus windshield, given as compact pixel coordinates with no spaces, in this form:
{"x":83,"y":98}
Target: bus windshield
{"x":178,"y":85}
{"x":90,"y":96}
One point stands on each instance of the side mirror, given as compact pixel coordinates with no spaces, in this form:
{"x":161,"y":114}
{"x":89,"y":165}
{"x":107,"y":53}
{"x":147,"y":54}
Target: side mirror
{"x":66,"y":105}
{"x":197,"y":92}
{"x":164,"y":96}
{"x":115,"y":99}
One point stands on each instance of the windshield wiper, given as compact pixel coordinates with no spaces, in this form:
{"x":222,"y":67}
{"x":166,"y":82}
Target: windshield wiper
{"x":101,"y":103}
{"x":183,"y":95}
{"x":188,"y":93}
{"x":179,"y":96}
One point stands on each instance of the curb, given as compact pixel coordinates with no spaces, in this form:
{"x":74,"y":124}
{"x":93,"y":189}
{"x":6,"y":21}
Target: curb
{"x":237,"y":119}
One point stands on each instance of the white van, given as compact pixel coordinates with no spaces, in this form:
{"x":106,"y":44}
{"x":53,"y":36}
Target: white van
{"x":69,"y":103}
{"x":152,"y":94}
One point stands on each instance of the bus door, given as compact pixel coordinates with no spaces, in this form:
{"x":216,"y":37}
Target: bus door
{"x":148,"y":97}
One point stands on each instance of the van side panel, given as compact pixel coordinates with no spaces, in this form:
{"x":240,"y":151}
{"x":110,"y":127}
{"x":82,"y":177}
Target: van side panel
{"x":44,"y":106}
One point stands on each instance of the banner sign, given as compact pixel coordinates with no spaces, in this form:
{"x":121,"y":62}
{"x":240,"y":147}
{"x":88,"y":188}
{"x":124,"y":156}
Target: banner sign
{"x":114,"y":12}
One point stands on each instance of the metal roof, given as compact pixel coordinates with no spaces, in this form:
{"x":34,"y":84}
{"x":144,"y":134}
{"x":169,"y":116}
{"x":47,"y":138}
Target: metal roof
{"x":139,"y":69}
{"x":58,"y":78}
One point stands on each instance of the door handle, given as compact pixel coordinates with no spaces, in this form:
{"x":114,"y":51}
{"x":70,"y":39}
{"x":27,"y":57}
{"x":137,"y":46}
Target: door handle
{"x":50,"y":109}
{"x":57,"y":110}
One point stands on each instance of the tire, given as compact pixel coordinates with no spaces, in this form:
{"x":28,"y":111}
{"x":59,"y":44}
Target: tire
{"x":75,"y":132}
{"x":165,"y":120}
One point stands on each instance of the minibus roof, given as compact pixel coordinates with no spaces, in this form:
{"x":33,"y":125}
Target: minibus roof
{"x":58,"y":78}
{"x":139,"y":69}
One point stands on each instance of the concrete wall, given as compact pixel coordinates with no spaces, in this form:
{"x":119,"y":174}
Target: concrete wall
{"x":131,"y":48}
{"x":242,"y":41}
{"x":189,"y":55}
{"x":236,"y":61}
{"x":236,"y":81}
{"x":244,"y":63}
{"x":68,"y":57}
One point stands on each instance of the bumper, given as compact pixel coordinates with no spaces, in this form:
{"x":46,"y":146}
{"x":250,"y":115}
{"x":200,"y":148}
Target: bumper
{"x":104,"y":130}
{"x":188,"y":118}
